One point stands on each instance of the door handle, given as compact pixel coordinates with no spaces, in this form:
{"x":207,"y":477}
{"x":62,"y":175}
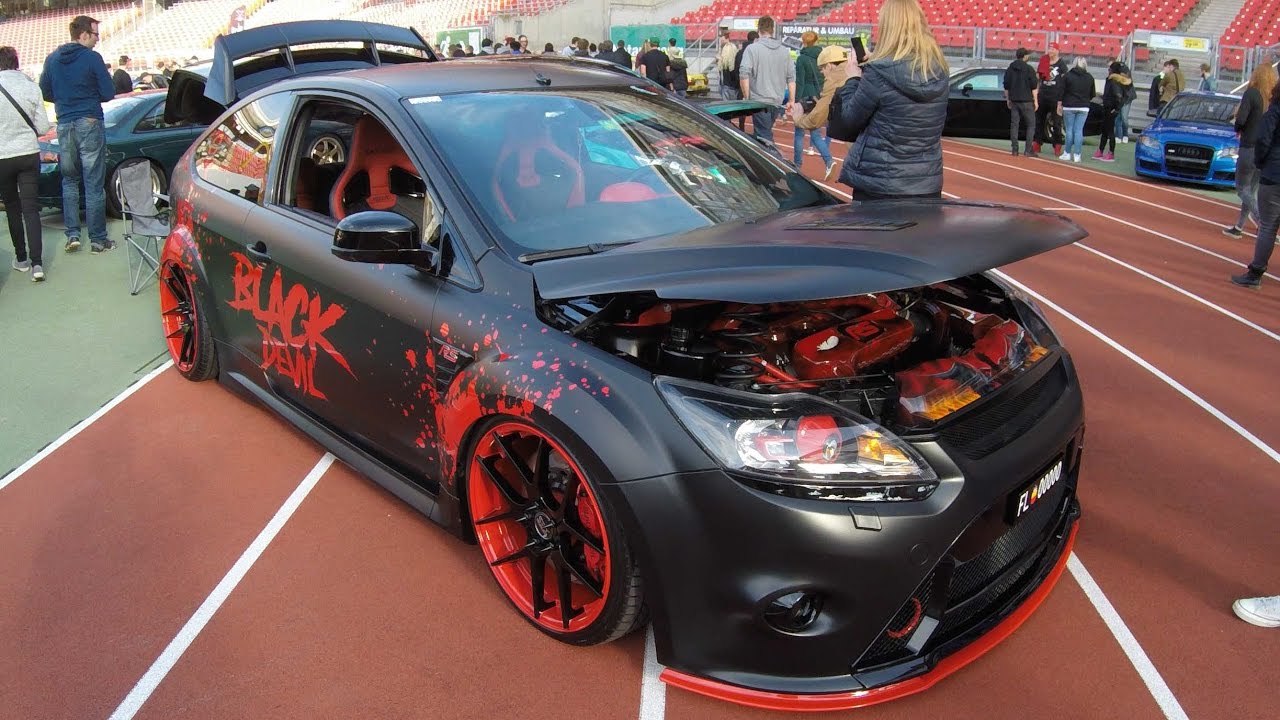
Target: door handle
{"x":258,"y":251}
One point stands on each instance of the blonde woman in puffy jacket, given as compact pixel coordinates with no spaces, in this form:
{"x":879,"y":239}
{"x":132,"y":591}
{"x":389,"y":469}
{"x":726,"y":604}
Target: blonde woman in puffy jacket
{"x":831,"y":63}
{"x":20,"y":162}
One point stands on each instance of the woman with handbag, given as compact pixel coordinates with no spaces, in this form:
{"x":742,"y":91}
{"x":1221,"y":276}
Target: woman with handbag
{"x":831,"y":63}
{"x":22,"y":120}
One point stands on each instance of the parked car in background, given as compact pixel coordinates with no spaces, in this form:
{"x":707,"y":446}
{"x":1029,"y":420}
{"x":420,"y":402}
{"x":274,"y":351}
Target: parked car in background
{"x":976,"y":106}
{"x":135,"y":128}
{"x":1192,"y":140}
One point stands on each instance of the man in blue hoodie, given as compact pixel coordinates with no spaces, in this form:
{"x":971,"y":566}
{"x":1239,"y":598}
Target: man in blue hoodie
{"x":75,"y":80}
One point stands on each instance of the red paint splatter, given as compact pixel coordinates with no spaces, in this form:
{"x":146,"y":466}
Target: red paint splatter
{"x":488,"y":340}
{"x":604,"y":390}
{"x":444,"y":330}
{"x":555,"y":367}
{"x":412,"y":357}
{"x":537,"y":364}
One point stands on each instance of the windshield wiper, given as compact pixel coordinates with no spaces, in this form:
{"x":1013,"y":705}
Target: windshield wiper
{"x":588,"y":249}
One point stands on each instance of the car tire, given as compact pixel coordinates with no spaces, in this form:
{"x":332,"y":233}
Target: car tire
{"x":186,"y":327}
{"x":159,"y":184}
{"x":519,"y":478}
{"x":328,"y":149}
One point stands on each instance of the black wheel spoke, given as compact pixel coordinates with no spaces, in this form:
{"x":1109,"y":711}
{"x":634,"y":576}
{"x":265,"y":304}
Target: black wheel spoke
{"x":515,"y":513}
{"x":490,"y":467}
{"x":188,"y":351}
{"x":537,"y":577}
{"x":176,"y":311}
{"x":176,"y":287}
{"x":526,"y":477}
{"x":591,"y":583}
{"x":524,"y":552}
{"x":541,"y":474}
{"x":564,"y":588}
{"x":570,"y":498}
{"x":584,"y":536}
{"x":181,"y":331}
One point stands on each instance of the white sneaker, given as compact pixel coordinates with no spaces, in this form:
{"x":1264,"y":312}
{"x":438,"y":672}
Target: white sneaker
{"x":1065,"y":156}
{"x":1260,"y":611}
{"x":1124,"y":138}
{"x":831,"y":170}
{"x":37,"y":273}
{"x":810,"y":151}
{"x":1075,"y":158}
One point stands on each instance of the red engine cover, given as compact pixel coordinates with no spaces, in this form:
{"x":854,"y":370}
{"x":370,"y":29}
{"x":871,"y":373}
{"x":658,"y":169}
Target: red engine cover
{"x":847,"y":349}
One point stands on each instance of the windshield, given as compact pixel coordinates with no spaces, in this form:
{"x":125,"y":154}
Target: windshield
{"x":1212,"y":109}
{"x":114,"y":110}
{"x":578,"y":167}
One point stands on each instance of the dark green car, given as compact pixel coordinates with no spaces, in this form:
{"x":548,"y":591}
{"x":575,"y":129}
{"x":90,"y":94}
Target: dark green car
{"x":135,"y":128}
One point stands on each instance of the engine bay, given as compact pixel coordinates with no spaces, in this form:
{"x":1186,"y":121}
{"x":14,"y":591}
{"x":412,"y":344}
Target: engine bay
{"x":905,"y":358}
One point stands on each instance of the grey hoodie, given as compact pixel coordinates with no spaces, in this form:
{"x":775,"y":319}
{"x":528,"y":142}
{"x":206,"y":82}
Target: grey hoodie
{"x":899,"y":119}
{"x":767,"y":64}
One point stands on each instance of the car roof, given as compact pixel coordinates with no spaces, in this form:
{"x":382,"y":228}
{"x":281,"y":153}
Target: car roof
{"x":503,"y":72}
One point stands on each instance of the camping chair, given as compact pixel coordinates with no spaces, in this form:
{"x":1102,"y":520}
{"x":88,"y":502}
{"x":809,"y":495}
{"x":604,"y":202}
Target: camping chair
{"x":145,"y":224}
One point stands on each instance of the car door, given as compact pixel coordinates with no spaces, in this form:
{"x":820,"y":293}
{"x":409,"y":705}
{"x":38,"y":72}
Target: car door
{"x":346,"y":342}
{"x":162,"y":141}
{"x":976,"y":106}
{"x":230,"y":171}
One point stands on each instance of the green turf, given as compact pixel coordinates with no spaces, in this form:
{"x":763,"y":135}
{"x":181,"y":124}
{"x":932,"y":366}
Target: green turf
{"x":70,"y":343}
{"x":1123,"y":164}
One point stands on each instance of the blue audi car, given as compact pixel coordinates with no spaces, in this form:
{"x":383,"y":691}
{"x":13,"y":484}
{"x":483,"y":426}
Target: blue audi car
{"x":1192,"y":140}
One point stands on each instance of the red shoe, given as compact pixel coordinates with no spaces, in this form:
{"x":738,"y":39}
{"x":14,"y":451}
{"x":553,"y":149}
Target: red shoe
{"x":1057,"y":149}
{"x":1035,"y":147}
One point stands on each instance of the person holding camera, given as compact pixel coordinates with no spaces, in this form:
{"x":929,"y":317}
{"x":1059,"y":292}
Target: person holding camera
{"x":831,"y":63}
{"x":895,"y":104}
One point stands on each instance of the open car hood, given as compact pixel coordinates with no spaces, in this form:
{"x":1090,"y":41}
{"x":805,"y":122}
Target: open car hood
{"x":817,"y":253}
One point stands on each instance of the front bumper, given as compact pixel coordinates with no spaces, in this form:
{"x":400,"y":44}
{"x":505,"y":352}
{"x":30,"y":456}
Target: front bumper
{"x":1153,"y":162}
{"x":911,"y":591}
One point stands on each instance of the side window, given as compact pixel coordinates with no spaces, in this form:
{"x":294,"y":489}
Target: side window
{"x":986,"y":81}
{"x":153,"y":120}
{"x":234,"y":156}
{"x":344,"y":160}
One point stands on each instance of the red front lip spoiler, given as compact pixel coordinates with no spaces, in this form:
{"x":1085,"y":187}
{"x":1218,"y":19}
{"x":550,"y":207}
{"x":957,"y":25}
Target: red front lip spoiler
{"x":863,"y":698}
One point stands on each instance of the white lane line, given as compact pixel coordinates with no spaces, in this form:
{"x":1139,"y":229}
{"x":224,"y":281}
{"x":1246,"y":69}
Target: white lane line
{"x":653,"y":692}
{"x":1137,"y":656}
{"x":1163,"y":207}
{"x":1164,"y":377}
{"x":1064,"y":209}
{"x":142,"y":691}
{"x":1186,"y":293}
{"x":79,"y":427}
{"x":1113,"y":218}
{"x":1170,"y":189}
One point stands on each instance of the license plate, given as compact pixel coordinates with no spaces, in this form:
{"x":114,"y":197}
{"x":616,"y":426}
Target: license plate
{"x":1024,"y":499}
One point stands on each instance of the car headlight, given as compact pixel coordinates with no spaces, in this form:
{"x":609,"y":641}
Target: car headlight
{"x":1148,"y":142}
{"x":1230,"y":153}
{"x":799,"y":445}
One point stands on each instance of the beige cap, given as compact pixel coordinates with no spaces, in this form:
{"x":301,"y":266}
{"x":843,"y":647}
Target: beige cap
{"x":832,"y":54}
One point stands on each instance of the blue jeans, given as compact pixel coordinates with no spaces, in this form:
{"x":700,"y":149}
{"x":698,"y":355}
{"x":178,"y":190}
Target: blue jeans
{"x":762,"y":126}
{"x":1122,"y":121}
{"x":81,"y":156}
{"x":819,"y":142}
{"x":1074,"y":118}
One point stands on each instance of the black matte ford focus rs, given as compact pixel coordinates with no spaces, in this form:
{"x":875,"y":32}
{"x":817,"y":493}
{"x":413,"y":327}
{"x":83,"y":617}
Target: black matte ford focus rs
{"x":654,"y":373}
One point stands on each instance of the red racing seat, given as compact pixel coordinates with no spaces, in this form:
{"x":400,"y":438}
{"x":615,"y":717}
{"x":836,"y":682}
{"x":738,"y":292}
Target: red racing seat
{"x":373,"y":152}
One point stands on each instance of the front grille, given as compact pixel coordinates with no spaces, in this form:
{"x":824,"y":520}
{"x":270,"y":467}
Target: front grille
{"x":890,"y":649}
{"x":1191,"y":161}
{"x":1149,"y":166}
{"x":1030,"y":532}
{"x":980,"y":433}
{"x":1224,"y":176}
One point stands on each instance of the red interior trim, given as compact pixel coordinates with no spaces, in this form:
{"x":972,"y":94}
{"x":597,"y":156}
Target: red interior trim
{"x":863,"y":698}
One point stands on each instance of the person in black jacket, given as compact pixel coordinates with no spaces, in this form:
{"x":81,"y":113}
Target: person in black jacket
{"x":120,"y":79}
{"x":1266,"y":153}
{"x":1020,"y":83}
{"x":736,"y":75}
{"x":1248,"y":120}
{"x":1077,"y":90}
{"x":896,"y":103}
{"x":1052,"y":70}
{"x":1114,"y":94}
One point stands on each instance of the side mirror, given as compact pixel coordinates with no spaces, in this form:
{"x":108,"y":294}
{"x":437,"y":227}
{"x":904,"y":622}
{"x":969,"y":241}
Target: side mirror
{"x":967,"y":89}
{"x":375,"y":236}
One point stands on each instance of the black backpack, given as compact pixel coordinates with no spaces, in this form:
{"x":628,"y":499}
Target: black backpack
{"x":837,"y":127}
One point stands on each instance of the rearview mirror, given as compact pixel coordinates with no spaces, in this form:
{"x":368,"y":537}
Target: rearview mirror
{"x":968,"y":88}
{"x":375,"y":236}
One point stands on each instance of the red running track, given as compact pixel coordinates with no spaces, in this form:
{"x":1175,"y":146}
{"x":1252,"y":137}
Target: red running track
{"x":361,"y":608}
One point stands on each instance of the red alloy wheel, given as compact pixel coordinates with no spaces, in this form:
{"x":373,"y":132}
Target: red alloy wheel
{"x":178,"y":315}
{"x":540,"y":527}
